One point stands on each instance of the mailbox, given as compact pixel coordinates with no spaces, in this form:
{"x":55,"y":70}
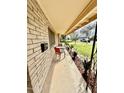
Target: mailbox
{"x":44,"y":47}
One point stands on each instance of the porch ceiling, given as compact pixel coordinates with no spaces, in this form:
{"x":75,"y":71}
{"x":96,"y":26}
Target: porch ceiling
{"x":67,"y":15}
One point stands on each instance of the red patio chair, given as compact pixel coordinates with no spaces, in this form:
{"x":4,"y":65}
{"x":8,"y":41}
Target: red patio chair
{"x":57,"y":51}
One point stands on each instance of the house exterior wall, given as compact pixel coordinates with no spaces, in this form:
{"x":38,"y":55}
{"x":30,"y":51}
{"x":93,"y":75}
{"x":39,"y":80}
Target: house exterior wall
{"x":37,"y":32}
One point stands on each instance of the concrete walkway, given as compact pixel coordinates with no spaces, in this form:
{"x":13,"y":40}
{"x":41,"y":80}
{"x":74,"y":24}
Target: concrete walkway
{"x":66,"y":78}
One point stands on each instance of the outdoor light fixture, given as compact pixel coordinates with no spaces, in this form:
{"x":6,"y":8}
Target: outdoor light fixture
{"x":44,"y":47}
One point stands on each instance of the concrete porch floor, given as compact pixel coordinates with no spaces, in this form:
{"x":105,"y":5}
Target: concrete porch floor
{"x":64,"y":77}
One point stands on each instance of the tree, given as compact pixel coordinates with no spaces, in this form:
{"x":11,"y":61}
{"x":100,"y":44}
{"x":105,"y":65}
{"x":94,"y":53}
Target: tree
{"x":74,"y":37}
{"x":63,"y":37}
{"x":87,"y":30}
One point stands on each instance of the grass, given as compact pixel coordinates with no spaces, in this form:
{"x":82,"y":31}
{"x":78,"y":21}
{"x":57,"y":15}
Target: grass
{"x":82,"y":48}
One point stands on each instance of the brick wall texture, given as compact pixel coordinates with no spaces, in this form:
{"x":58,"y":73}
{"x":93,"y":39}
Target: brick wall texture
{"x":37,"y":32}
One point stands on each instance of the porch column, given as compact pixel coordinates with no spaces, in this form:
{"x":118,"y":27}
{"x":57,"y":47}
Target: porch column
{"x":57,"y":39}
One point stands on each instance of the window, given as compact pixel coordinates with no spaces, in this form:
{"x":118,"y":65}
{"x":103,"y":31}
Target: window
{"x":51,"y":37}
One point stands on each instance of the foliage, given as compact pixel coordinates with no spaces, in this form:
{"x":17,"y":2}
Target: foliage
{"x":74,"y":37}
{"x":87,"y":30}
{"x":63,"y":37}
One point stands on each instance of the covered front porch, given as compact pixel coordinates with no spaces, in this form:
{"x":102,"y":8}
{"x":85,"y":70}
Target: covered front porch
{"x":48,"y":20}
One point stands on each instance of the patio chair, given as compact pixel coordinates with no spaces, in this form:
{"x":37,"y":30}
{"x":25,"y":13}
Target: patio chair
{"x":59,"y":51}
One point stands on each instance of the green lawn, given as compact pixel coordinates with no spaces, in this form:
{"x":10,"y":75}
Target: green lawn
{"x":82,"y":48}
